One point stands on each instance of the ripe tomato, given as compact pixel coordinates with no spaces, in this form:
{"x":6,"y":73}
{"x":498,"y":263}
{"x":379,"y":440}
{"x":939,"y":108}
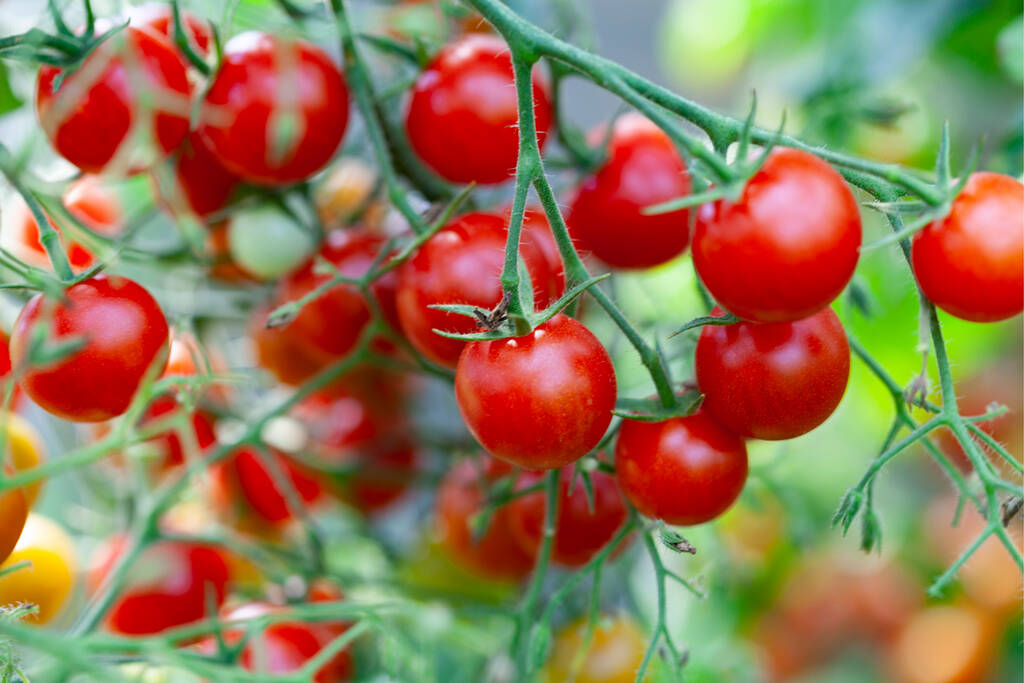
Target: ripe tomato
{"x":971,"y":263}
{"x":13,"y":514}
{"x":284,"y":647}
{"x":329,"y":326}
{"x":367,"y":441}
{"x":787,"y":247}
{"x":643,"y":168}
{"x":685,"y":470}
{"x":171,"y":450}
{"x":266,"y":243}
{"x":196,"y":184}
{"x":88,"y":200}
{"x":537,"y":231}
{"x":462,"y":119}
{"x":773,"y":380}
{"x":279,"y":351}
{"x":461,"y":264}
{"x":48,"y":581}
{"x":277,"y":109}
{"x":581,"y":531}
{"x":158,"y":16}
{"x":612,"y":656}
{"x":461,"y":496}
{"x":25,"y":451}
{"x":124,"y":336}
{"x":91,"y":117}
{"x":170,"y":585}
{"x":539,"y":401}
{"x":246,"y":487}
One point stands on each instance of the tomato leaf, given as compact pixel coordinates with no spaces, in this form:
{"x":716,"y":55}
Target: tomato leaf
{"x":652,"y":409}
{"x":727,"y":319}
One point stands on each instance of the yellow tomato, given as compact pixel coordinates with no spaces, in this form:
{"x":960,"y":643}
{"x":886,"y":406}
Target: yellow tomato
{"x":25,"y":451}
{"x":47,"y":582}
{"x":616,"y":651}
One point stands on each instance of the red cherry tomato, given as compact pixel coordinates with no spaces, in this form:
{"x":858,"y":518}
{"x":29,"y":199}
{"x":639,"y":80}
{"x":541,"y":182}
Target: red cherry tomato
{"x":461,"y":264}
{"x":773,"y":380}
{"x":284,"y":647}
{"x":277,"y":109}
{"x":93,"y":118}
{"x":248,"y":486}
{"x":787,"y":247}
{"x":581,"y":530}
{"x":197,"y":183}
{"x":169,"y":443}
{"x":365,"y":439}
{"x":462,"y":119}
{"x":329,"y":326}
{"x":124,"y":337}
{"x":170,"y":585}
{"x":280,"y":352}
{"x":971,"y":263}
{"x":495,"y":554}
{"x":95,"y":205}
{"x":643,"y":168}
{"x":539,"y":401}
{"x":159,"y":17}
{"x":537,"y":232}
{"x":685,"y":470}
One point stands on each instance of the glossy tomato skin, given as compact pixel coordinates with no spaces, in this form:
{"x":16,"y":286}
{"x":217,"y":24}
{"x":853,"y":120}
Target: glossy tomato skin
{"x":971,"y":263}
{"x":91,"y":115}
{"x":461,"y":495}
{"x":539,"y":401}
{"x":685,"y":470}
{"x":159,"y":17}
{"x":329,"y":326}
{"x":580,"y":531}
{"x":197,"y":183}
{"x":461,"y":264}
{"x":643,"y":168}
{"x":462,"y":119}
{"x":170,"y":585}
{"x":247,"y":485}
{"x":263,"y":79}
{"x":87,"y":199}
{"x":787,"y":247}
{"x":773,"y":380}
{"x":125,"y":337}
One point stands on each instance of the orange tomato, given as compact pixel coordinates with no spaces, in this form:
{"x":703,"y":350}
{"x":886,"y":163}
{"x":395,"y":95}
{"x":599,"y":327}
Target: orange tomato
{"x":614,"y":654}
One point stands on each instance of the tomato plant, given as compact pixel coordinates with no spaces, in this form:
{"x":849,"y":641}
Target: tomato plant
{"x":786,"y":247}
{"x":117,"y":334}
{"x":686,"y":470}
{"x":276,"y":110}
{"x":642,"y":169}
{"x":774,"y":380}
{"x":126,"y":107}
{"x":971,"y":263}
{"x":539,"y":401}
{"x":462,"y":112}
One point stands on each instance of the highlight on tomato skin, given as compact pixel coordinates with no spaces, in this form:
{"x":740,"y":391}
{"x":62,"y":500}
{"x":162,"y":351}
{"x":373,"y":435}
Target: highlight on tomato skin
{"x":971,"y":262}
{"x":138,"y":56}
{"x":773,"y":381}
{"x":125,"y":339}
{"x":539,"y":401}
{"x":787,"y":247}
{"x":239,"y":118}
{"x":642,"y":169}
{"x":462,"y":115}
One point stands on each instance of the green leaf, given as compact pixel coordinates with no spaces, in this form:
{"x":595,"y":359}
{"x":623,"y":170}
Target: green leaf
{"x":727,"y":319}
{"x":8,"y":100}
{"x":676,"y":541}
{"x":652,"y":409}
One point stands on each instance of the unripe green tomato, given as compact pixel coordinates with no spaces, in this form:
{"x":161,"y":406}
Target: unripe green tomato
{"x":266,"y":243}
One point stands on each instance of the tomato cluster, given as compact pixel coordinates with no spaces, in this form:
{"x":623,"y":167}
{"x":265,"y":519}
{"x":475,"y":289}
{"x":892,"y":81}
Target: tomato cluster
{"x":340,"y":304}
